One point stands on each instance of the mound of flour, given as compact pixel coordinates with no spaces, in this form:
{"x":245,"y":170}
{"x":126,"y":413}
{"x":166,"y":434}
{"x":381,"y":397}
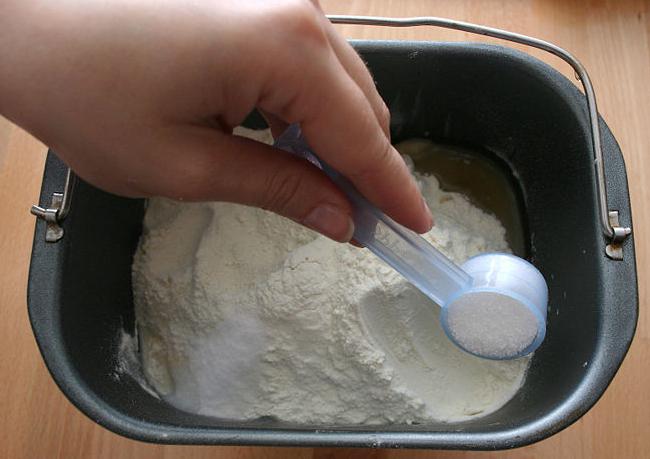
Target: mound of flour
{"x":244,"y":314}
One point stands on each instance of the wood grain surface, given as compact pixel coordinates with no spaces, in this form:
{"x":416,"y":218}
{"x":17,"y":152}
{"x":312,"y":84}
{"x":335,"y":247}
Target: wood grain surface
{"x":612,"y":38}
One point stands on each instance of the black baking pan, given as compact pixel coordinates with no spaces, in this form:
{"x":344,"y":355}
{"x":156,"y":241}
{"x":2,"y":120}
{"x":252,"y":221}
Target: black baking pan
{"x":520,"y":112}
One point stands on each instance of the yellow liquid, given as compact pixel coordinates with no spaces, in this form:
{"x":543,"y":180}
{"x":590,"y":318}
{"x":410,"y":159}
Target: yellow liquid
{"x":486,"y":183}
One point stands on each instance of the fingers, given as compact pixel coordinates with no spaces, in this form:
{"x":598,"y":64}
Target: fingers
{"x":351,"y":140}
{"x":341,"y":126}
{"x":358,"y":71}
{"x":207,"y":165}
{"x":310,"y":83}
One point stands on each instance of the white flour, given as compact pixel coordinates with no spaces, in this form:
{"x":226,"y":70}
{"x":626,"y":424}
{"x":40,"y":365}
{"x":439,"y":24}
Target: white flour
{"x":244,"y":314}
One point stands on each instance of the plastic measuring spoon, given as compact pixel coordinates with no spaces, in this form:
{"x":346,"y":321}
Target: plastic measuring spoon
{"x":494,"y":306}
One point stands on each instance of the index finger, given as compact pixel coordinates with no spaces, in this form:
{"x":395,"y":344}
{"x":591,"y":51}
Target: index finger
{"x":340,"y":125}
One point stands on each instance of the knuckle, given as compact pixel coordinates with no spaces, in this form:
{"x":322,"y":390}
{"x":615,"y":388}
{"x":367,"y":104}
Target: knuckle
{"x":282,"y":191}
{"x":377,"y":162}
{"x":295,"y":57}
{"x":302,"y":21}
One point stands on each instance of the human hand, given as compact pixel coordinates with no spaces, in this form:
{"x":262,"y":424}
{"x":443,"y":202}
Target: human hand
{"x":139,"y":97}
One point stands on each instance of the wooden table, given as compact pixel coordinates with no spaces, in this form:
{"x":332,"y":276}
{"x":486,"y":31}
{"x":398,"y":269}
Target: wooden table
{"x":613,"y":41}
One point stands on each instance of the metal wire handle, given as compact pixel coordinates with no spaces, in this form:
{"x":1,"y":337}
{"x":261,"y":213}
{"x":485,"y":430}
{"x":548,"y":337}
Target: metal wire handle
{"x":608,"y":218}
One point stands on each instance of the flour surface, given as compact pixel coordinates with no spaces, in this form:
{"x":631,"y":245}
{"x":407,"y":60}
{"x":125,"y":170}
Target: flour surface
{"x":243,"y":314}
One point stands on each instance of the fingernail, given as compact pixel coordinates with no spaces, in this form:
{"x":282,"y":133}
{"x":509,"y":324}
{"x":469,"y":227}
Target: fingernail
{"x":330,"y":221}
{"x":426,"y":209}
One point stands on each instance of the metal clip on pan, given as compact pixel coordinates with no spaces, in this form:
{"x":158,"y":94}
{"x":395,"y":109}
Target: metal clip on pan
{"x":57,"y":210}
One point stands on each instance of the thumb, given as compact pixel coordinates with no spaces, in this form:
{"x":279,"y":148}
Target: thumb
{"x":221,"y":167}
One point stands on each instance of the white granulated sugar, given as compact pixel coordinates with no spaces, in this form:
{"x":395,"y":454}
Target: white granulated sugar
{"x":244,"y":314}
{"x":491,"y":324}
